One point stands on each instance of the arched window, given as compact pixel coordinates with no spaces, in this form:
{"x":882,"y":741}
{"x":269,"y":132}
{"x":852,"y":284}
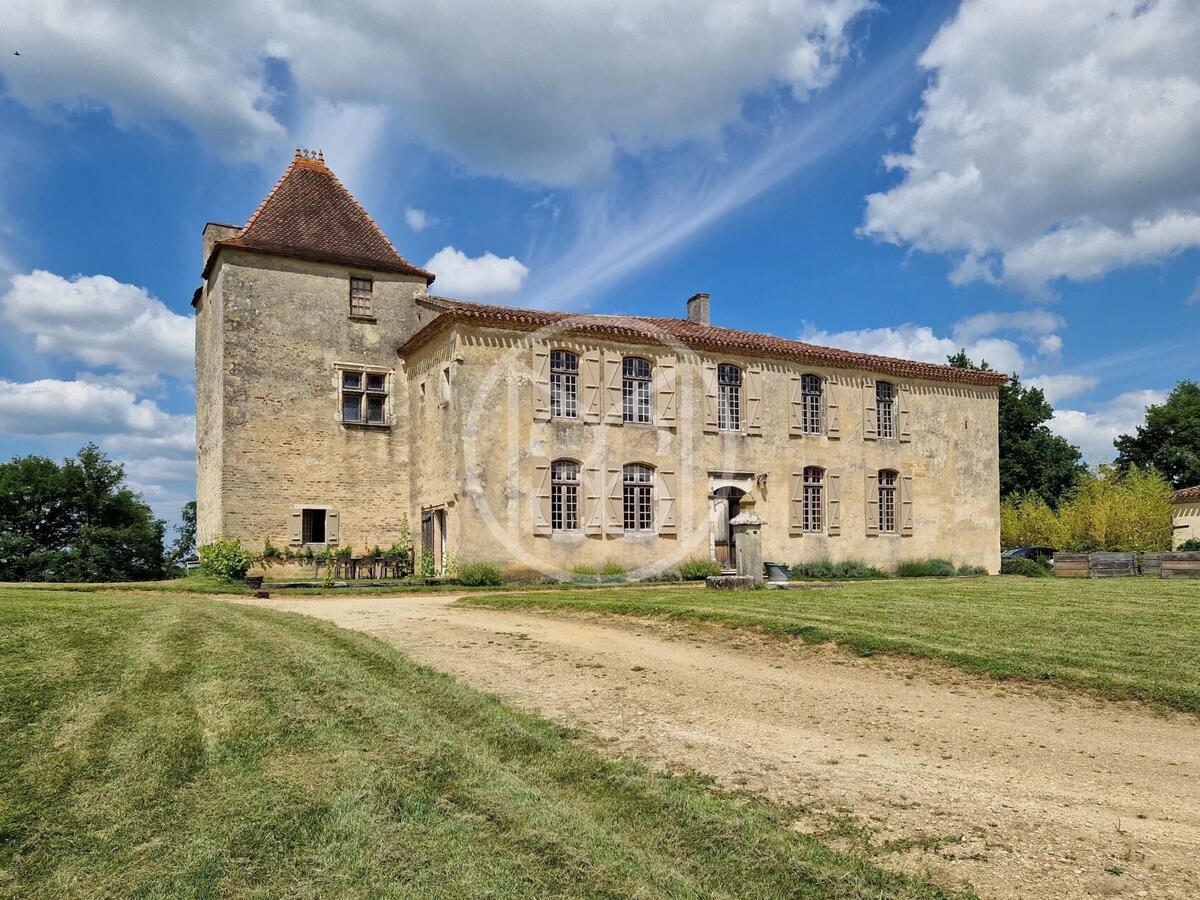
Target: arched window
{"x":885,"y":409}
{"x":729,"y":398}
{"x":887,"y":501}
{"x":814,"y":500}
{"x":810,"y":398}
{"x":564,"y":495}
{"x":639,"y":500}
{"x":635,"y":390}
{"x":564,"y":384}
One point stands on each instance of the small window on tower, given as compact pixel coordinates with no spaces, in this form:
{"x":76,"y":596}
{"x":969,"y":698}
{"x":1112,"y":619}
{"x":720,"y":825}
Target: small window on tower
{"x":360,"y":297}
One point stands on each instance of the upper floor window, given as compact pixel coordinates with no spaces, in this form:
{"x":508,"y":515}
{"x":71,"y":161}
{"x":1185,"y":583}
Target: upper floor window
{"x":360,"y":297}
{"x":814,"y":483}
{"x":729,"y":398}
{"x":564,"y":384}
{"x":564,"y":495}
{"x":635,"y":390}
{"x":364,"y":397}
{"x":885,"y":409}
{"x":887,"y":501}
{"x":638,"y":496}
{"x":810,"y":400}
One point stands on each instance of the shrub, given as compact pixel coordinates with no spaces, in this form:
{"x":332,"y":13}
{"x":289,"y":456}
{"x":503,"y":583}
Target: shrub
{"x":668,"y":575}
{"x":479,"y":574}
{"x":699,"y":569}
{"x":1016,"y":565}
{"x":583,"y":570}
{"x":428,"y":567}
{"x":612,"y":567}
{"x":1189,"y":545}
{"x":823,"y":568}
{"x":926,"y":568}
{"x":972,"y":570}
{"x":225,"y":560}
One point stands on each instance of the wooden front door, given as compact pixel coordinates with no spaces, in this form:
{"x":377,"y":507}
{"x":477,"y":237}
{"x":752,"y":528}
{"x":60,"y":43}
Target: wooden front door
{"x":728,"y":505}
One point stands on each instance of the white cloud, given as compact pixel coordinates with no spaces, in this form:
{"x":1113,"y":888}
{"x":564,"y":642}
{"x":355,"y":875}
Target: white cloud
{"x":1094,"y":432}
{"x":459,"y":275}
{"x":1029,"y":323}
{"x":101,"y":322}
{"x":919,"y":342}
{"x":525,"y":90}
{"x":51,"y":407}
{"x":1060,"y":387}
{"x":1056,"y":140}
{"x":1195,"y":295}
{"x":417,"y":219}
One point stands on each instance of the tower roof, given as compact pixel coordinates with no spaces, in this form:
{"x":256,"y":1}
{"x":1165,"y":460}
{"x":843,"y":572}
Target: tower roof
{"x":309,"y":214}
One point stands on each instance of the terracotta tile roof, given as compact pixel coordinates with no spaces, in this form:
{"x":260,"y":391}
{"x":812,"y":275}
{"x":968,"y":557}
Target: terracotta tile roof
{"x":1187,"y":495}
{"x":309,"y":214}
{"x":648,"y":329}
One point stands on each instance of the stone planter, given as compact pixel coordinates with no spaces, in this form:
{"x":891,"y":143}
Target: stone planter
{"x":254,"y":582}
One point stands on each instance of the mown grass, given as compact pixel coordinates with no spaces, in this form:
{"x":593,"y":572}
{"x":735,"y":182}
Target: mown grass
{"x":160,"y":746}
{"x":1123,"y":638}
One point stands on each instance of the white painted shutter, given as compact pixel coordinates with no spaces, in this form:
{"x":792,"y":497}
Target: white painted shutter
{"x":754,"y":400}
{"x":906,"y":503}
{"x":665,"y":489}
{"x":833,"y":503}
{"x":614,"y":503}
{"x":873,"y":503}
{"x":870,"y":410}
{"x":589,"y":371}
{"x":612,"y":388}
{"x":332,"y":527}
{"x":593,"y":508}
{"x":795,"y":406}
{"x":830,"y":394}
{"x":541,"y":383}
{"x":796,"y":503}
{"x":540,"y":496}
{"x":904,"y":416}
{"x":295,"y":528}
{"x":664,"y":378}
{"x":710,"y":398}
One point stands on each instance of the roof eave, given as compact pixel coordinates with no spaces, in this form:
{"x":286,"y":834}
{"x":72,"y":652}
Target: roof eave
{"x":401,"y":268}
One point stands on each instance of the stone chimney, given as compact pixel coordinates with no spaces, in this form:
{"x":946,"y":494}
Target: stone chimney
{"x":697,"y":309}
{"x":214,"y":232}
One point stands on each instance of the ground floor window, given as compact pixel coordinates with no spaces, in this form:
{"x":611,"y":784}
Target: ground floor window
{"x":887,"y":501}
{"x":564,"y":495}
{"x":639,"y":511}
{"x":312,"y":526}
{"x":814,"y":478}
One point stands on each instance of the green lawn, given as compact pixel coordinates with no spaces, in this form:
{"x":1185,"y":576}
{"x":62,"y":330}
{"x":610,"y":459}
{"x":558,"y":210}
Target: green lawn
{"x":163,"y":746}
{"x":1118,"y":637}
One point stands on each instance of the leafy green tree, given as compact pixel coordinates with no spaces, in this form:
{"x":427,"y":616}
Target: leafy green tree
{"x":1032,"y":458}
{"x":75,"y":522}
{"x":1169,"y":441}
{"x":184,"y":544}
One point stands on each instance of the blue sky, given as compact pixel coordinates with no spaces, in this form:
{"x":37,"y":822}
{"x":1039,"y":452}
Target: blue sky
{"x":1015,"y":178}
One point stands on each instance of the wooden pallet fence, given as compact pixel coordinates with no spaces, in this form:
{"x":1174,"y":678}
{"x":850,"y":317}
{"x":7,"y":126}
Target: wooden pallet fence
{"x":1181,"y":565}
{"x":1152,"y":564}
{"x":1112,"y":565}
{"x":1070,"y":565}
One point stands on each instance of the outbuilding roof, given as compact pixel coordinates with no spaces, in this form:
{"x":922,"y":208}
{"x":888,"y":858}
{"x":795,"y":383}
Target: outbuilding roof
{"x":1187,"y":495}
{"x":650,"y":329}
{"x":309,"y":214}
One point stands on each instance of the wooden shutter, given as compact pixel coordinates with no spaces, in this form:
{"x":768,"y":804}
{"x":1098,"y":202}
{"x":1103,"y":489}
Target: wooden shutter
{"x":906,"y":503}
{"x":903,"y":415}
{"x":614,"y":503}
{"x":833,"y":502}
{"x":873,"y":503}
{"x":832,"y":415}
{"x":710,"y":398}
{"x":870,"y":412}
{"x":612,"y":388}
{"x":754,"y":400}
{"x":593,"y":510}
{"x":589,"y":377}
{"x":540,"y":496}
{"x":541,"y":383}
{"x":664,"y":379}
{"x":332,"y":527}
{"x":665,"y":489}
{"x":795,"y":405}
{"x":295,"y":527}
{"x":796,"y":503}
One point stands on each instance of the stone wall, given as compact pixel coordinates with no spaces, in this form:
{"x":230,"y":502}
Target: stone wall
{"x":1186,"y":519}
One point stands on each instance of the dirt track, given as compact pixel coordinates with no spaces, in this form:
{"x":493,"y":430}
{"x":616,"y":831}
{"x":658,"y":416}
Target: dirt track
{"x":1022,"y":792}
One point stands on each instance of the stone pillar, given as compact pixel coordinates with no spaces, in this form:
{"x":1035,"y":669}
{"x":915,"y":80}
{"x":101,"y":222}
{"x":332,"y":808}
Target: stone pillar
{"x":747,"y":530}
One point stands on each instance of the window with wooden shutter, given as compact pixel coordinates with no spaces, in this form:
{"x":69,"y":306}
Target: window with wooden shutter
{"x":729,"y":397}
{"x":638,"y":497}
{"x":903,"y":413}
{"x":906,"y":504}
{"x":636,"y":381}
{"x":754,"y":400}
{"x":885,"y":410}
{"x":614,"y":503}
{"x":593,"y":508}
{"x":664,"y":378}
{"x":833,"y":502}
{"x":333,"y":527}
{"x":870,"y":411}
{"x":539,"y":497}
{"x":665,"y":485}
{"x":710,"y":398}
{"x":295,"y":534}
{"x":564,"y":385}
{"x":590,"y":387}
{"x":796,"y":503}
{"x":564,"y":495}
{"x":541,"y":383}
{"x":872,"y":510}
{"x":795,"y":406}
{"x":833,"y":413}
{"x":612,"y":388}
{"x":814,"y":499}
{"x":886,"y":488}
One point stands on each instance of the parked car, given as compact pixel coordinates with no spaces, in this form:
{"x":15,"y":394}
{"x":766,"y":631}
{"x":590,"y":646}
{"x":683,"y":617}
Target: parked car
{"x":1037,"y":554}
